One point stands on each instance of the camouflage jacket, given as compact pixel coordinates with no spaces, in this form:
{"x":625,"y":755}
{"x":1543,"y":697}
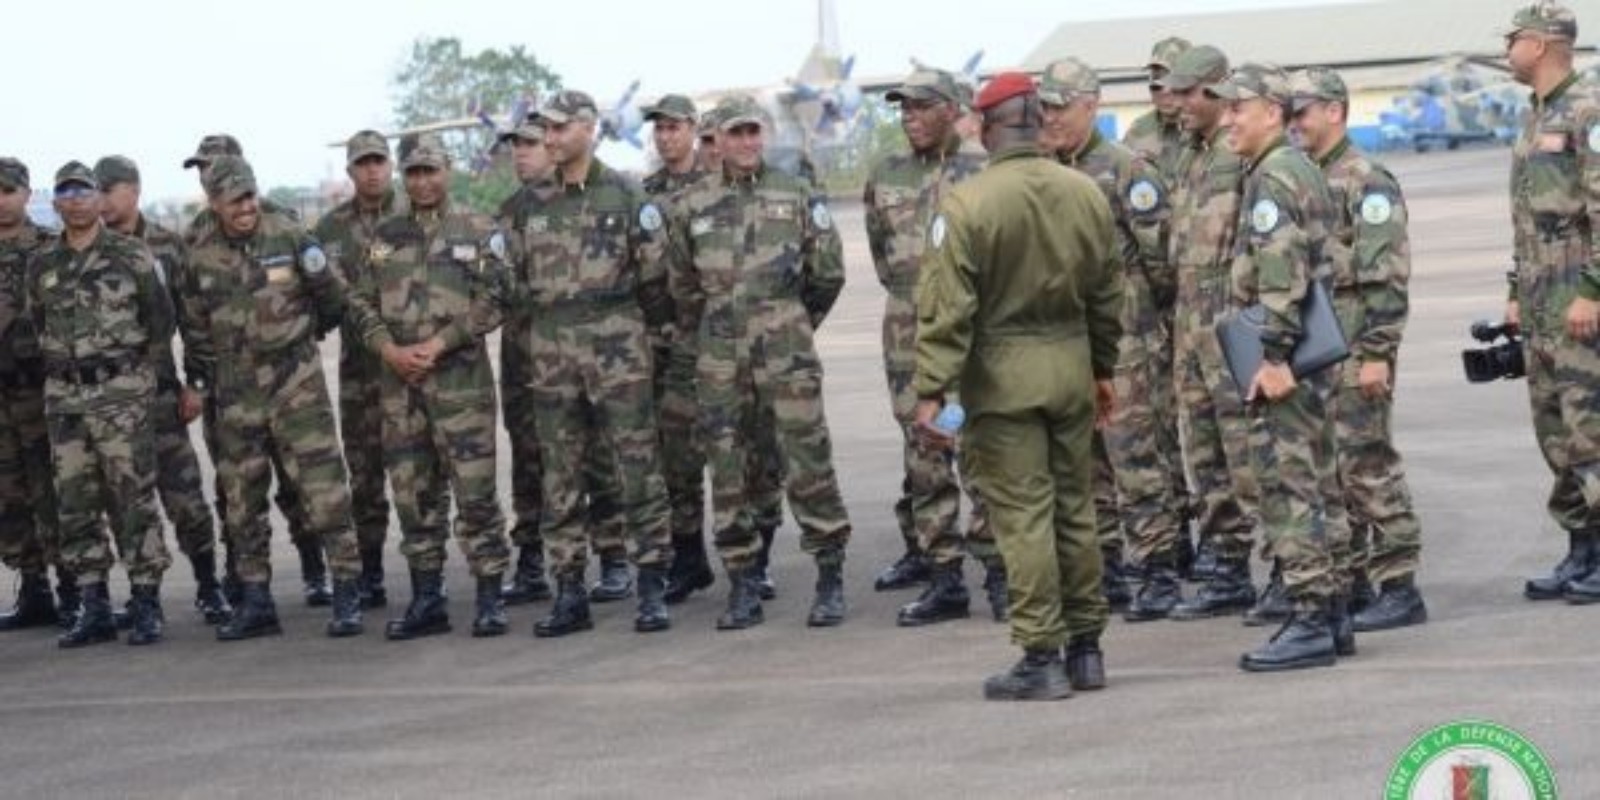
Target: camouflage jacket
{"x":251,"y":308}
{"x":1205,"y":216}
{"x":18,"y":342}
{"x":662,"y":182}
{"x":1159,"y":142}
{"x":1555,"y":205}
{"x":172,"y":256}
{"x":902,"y":195}
{"x":1285,"y":223}
{"x":346,"y":234}
{"x":103,"y":310}
{"x":1370,"y":251}
{"x":205,"y":222}
{"x":741,"y":241}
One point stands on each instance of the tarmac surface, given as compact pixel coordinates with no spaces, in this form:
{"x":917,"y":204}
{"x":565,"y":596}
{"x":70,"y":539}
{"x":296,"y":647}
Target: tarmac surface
{"x":868,"y":709}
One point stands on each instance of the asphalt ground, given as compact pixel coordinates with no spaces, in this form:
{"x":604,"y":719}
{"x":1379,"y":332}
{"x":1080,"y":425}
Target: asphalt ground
{"x":868,"y":709}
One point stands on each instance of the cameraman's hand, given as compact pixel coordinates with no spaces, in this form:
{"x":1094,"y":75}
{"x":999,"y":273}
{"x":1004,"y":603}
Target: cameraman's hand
{"x":1583,"y":319}
{"x":1514,"y":315}
{"x":1374,"y":380}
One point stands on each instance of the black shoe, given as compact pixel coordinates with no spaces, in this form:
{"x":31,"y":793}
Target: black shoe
{"x":1183,"y":553}
{"x":690,"y":572}
{"x":1579,"y":592}
{"x":35,"y":607}
{"x":744,"y":602}
{"x":1114,"y":577}
{"x":1579,"y":564}
{"x":994,"y":585}
{"x":570,"y":613}
{"x":764,"y":582}
{"x":254,"y":615}
{"x":1157,"y":596}
{"x":1205,"y":562}
{"x":1273,"y":606}
{"x":347,"y":601}
{"x":945,"y":599}
{"x":1398,"y":605}
{"x":1305,"y":640}
{"x":144,"y":607}
{"x":910,"y":570}
{"x":1227,"y":592}
{"x":208,"y":599}
{"x":1341,"y":623}
{"x":1085,"y":663}
{"x":827,"y":608}
{"x":489,"y":618}
{"x":369,"y":586}
{"x":314,"y":573}
{"x":652,"y":601}
{"x":1361,"y":591}
{"x":615,"y":583}
{"x":1040,"y":675}
{"x":428,"y":613}
{"x":93,"y":623}
{"x":69,"y":599}
{"x":528,"y":583}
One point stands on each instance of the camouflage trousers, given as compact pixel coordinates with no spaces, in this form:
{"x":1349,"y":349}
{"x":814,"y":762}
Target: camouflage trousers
{"x":1137,"y":471}
{"x":929,"y":507}
{"x":517,"y":409}
{"x":767,"y":382}
{"x":28,"y":538}
{"x":593,"y":392}
{"x":105,"y":472}
{"x":292,"y":432}
{"x":1564,"y":392}
{"x":361,"y":430}
{"x":288,"y":503}
{"x":1216,"y":433}
{"x":178,"y":482}
{"x":1163,"y":405}
{"x":1295,"y":457}
{"x":683,"y":457}
{"x":441,"y":443}
{"x":1385,"y":535}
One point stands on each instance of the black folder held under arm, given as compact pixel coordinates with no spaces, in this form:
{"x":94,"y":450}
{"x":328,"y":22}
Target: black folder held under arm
{"x":1321,"y":344}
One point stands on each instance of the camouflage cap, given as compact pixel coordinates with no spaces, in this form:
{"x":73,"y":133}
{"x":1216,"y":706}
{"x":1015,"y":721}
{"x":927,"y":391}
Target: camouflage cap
{"x":423,"y":150}
{"x":566,"y":106}
{"x":228,"y":178}
{"x":217,"y":144}
{"x":13,"y":173}
{"x":926,"y":84}
{"x":1253,"y":81}
{"x":1066,"y":80}
{"x":1545,"y":17}
{"x":530,"y":129}
{"x":365,"y":143}
{"x":1165,"y":53}
{"x":708,"y":124}
{"x":1317,"y":84}
{"x":740,"y":109}
{"x":75,"y":172}
{"x":672,"y":106}
{"x":1198,"y":66}
{"x":112,"y":170}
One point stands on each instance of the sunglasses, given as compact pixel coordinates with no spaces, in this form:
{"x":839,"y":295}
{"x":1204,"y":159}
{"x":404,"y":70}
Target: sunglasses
{"x":76,"y":191}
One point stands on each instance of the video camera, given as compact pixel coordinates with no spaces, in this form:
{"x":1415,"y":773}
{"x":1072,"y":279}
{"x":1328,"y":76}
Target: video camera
{"x":1503,"y":360}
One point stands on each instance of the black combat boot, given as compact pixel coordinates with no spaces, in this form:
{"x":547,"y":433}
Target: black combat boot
{"x":314,"y":572}
{"x":827,"y":608}
{"x":616,"y":582}
{"x":1580,"y":562}
{"x":1305,"y":640}
{"x":1361,"y":591}
{"x":1040,"y":675}
{"x":36,"y":607}
{"x":1397,"y":606}
{"x":1086,"y":664}
{"x":744,"y":601}
{"x":1342,"y":623}
{"x":254,"y":615}
{"x":1158,"y":594}
{"x":994,"y":585}
{"x":428,"y":613}
{"x":490,"y":619}
{"x":1227,"y":592}
{"x":144,"y":609}
{"x":1114,"y":576}
{"x":347,"y":600}
{"x":208,"y":599}
{"x":764,"y":581}
{"x":93,"y":623}
{"x":528,"y":583}
{"x":69,"y":598}
{"x":369,"y":586}
{"x":232,"y":584}
{"x":1183,"y":554}
{"x":691,"y":570}
{"x":570,"y":613}
{"x":1273,"y":606}
{"x":945,"y":598}
{"x":1577,"y":592}
{"x":1205,"y":561}
{"x":652,"y":601}
{"x":911,"y":569}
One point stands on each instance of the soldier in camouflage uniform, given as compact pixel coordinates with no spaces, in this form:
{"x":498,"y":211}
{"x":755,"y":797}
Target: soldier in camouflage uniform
{"x":178,"y":480}
{"x":27,"y":495}
{"x":756,"y":266}
{"x":313,"y":566}
{"x":1372,"y":269}
{"x":1555,"y":289}
{"x":901,"y":196}
{"x":99,"y":304}
{"x":345,"y":233}
{"x":590,"y":265}
{"x":1286,"y":219}
{"x":255,"y":294}
{"x":431,"y":284}
{"x":1158,"y":135}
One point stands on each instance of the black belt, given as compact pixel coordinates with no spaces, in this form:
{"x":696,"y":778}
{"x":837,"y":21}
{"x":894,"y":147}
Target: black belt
{"x":91,"y":371}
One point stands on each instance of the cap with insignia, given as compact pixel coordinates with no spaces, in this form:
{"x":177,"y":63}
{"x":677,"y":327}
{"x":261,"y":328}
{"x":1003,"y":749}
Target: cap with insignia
{"x":75,"y":173}
{"x":13,"y":173}
{"x":363,"y":144}
{"x":740,"y":109}
{"x":112,"y":170}
{"x":672,"y":106}
{"x":566,"y":106}
{"x":1252,"y":81}
{"x":1067,"y":80}
{"x":228,"y":178}
{"x":1317,"y":84}
{"x":1547,"y":18}
{"x":423,"y":150}
{"x":1165,"y":52}
{"x":217,"y":144}
{"x":934,"y":85}
{"x":1198,"y":66}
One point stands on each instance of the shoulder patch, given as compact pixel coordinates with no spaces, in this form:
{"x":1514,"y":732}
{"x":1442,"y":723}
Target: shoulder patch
{"x":1376,"y":209}
{"x":1594,"y":138}
{"x":313,"y":260}
{"x":650,"y":218}
{"x":1143,"y":196}
{"x":820,"y":216}
{"x":1264,"y":216}
{"x":936,"y":232}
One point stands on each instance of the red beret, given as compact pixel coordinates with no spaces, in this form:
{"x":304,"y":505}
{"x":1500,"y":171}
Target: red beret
{"x":1003,"y":87}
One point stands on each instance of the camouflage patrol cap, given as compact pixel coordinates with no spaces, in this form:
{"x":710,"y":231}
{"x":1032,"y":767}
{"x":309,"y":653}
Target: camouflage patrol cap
{"x":112,"y":170}
{"x":1253,"y":81}
{"x":1317,"y":84}
{"x":1198,"y":66}
{"x":13,"y":173}
{"x":365,"y":143}
{"x":708,"y":124}
{"x":1066,"y":80}
{"x":1545,"y":17}
{"x":926,"y":84}
{"x":217,"y":144}
{"x":1165,"y":53}
{"x":528,"y":130}
{"x":75,"y":172}
{"x":423,"y":150}
{"x":740,"y":109}
{"x":672,"y":106}
{"x":228,"y":178}
{"x":566,"y":106}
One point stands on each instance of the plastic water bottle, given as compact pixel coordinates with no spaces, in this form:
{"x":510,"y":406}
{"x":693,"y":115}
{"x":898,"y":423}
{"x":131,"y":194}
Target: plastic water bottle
{"x":950,"y":419}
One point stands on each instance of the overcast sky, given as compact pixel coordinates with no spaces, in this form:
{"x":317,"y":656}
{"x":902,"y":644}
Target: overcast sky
{"x":148,"y":79}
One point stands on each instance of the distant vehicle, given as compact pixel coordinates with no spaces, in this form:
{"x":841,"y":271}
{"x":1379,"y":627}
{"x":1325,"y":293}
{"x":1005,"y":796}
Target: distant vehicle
{"x":1462,"y":101}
